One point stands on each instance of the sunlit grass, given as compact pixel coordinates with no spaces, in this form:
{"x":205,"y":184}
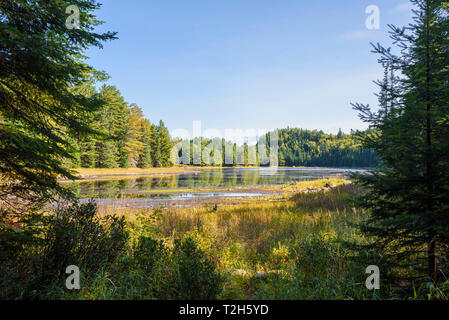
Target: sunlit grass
{"x":294,"y":237}
{"x":128,"y":171}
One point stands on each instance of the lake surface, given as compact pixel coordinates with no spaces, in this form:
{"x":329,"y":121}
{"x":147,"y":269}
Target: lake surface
{"x":167,"y":186}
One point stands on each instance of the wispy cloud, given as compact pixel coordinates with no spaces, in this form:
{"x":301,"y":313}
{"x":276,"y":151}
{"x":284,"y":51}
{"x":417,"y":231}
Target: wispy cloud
{"x":357,"y":35}
{"x":402,"y":7}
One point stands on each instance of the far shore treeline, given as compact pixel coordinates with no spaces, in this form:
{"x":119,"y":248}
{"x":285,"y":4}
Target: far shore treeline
{"x":126,"y":139}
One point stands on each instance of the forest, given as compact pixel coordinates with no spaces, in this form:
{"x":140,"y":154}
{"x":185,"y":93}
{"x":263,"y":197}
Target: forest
{"x":296,"y":147}
{"x":125,"y":139}
{"x":299,"y":147}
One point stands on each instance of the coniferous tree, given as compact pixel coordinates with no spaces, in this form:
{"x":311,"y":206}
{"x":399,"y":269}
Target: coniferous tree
{"x":133,"y":145}
{"x":156,"y":154}
{"x":115,"y":121}
{"x":145,"y":160}
{"x":88,"y":154}
{"x":408,"y":194}
{"x":299,"y":147}
{"x":40,"y":61}
{"x":165,"y":144}
{"x":106,"y":154}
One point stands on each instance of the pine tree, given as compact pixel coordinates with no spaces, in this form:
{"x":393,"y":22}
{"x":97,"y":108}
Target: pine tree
{"x":115,"y":116}
{"x":88,"y":153}
{"x":145,"y":160}
{"x":408,"y":196}
{"x":156,"y":154}
{"x":133,"y":145}
{"x":116,"y":111}
{"x":165,"y":144}
{"x":84,"y":144}
{"x":40,"y":60}
{"x":106,"y":154}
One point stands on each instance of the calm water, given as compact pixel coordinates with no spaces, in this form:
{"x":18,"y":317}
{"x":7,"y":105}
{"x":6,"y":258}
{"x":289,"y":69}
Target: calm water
{"x":214,"y":178}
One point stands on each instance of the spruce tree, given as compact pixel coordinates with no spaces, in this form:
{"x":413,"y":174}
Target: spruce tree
{"x":40,"y":60}
{"x":165,"y":144}
{"x":114,"y":120}
{"x":408,"y":193}
{"x":133,"y":145}
{"x":106,"y":154}
{"x":145,"y":160}
{"x":156,"y":154}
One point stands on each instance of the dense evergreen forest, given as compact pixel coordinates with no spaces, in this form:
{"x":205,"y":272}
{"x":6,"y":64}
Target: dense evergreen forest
{"x":299,"y":147}
{"x":296,"y":147}
{"x":125,"y":139}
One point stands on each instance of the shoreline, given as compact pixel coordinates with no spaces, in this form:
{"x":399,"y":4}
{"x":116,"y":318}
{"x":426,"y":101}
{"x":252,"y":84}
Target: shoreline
{"x":220,"y":196}
{"x":85,"y":174}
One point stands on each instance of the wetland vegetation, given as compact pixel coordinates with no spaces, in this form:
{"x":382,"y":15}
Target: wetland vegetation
{"x":138,"y":228}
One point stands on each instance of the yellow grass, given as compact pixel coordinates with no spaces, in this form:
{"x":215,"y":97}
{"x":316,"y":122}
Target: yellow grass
{"x":138,"y":171}
{"x":256,"y":226}
{"x":133,"y":171}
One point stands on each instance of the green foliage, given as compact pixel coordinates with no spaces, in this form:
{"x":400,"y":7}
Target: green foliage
{"x":37,"y":255}
{"x":133,"y":145}
{"x":78,"y":236}
{"x":299,"y":147}
{"x":298,"y":245}
{"x":145,"y":160}
{"x":147,"y":252}
{"x":127,"y":139}
{"x":106,"y":154}
{"x":319,"y":271}
{"x":115,"y":260}
{"x":197,"y":276}
{"x":407,"y":194}
{"x":41,"y":61}
{"x":161,"y":146}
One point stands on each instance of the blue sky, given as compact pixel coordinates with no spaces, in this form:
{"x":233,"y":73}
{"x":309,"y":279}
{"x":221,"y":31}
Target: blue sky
{"x":246,"y":63}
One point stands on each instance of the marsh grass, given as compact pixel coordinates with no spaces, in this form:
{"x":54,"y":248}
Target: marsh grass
{"x":288,"y":246}
{"x":284,"y":247}
{"x":127,"y":171}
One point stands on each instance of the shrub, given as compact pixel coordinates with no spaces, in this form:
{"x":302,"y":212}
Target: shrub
{"x":73,"y":235}
{"x":197,"y":275}
{"x":148,"y":252}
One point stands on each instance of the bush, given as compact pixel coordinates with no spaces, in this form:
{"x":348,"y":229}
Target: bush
{"x":77,"y":235}
{"x":148,"y":252}
{"x":321,"y":270}
{"x":113,"y":265}
{"x":197,"y":277}
{"x":37,"y":256}
{"x":154,"y":270}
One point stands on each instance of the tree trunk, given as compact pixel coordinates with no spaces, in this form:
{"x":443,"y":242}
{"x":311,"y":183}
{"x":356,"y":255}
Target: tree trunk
{"x":431,"y":259}
{"x":429,"y":153}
